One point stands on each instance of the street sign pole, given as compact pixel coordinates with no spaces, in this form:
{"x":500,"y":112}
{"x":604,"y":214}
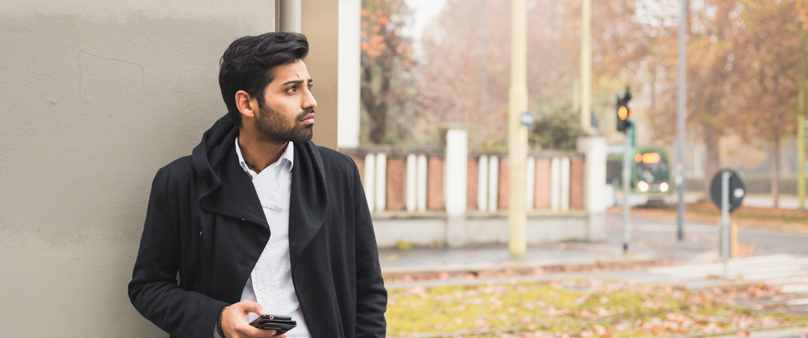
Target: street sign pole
{"x":628,"y":153}
{"x":680,"y":125}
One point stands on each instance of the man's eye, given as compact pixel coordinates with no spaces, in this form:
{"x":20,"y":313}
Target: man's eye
{"x":309,"y":86}
{"x":291,"y":89}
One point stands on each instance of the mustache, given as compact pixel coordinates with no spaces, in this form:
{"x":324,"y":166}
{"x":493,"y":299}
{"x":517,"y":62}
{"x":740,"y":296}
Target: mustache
{"x":302,"y":116}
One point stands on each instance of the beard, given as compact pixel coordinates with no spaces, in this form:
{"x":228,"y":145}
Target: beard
{"x":274,"y":127}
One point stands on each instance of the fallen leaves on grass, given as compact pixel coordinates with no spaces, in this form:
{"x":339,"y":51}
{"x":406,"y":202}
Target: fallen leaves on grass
{"x":510,"y":272}
{"x":572,"y":309}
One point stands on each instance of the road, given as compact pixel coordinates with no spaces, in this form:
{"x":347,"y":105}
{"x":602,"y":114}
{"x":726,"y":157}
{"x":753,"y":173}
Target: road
{"x":700,"y":237}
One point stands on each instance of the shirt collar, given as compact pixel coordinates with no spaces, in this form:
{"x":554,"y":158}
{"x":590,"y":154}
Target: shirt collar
{"x":288,"y":157}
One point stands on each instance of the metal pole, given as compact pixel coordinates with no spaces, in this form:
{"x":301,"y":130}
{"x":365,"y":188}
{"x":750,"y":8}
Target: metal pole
{"x":517,"y":132}
{"x":725,"y":220}
{"x":586,"y":65}
{"x":628,"y":153}
{"x":680,"y":124}
{"x":801,"y":128}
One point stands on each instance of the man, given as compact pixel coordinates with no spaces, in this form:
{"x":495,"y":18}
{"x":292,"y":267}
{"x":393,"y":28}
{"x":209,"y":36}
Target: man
{"x":259,"y":220}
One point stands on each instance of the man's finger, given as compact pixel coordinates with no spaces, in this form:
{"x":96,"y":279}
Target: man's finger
{"x":248,"y":306}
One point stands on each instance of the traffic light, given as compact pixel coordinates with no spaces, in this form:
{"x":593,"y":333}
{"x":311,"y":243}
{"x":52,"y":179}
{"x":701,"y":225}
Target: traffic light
{"x":623,"y":111}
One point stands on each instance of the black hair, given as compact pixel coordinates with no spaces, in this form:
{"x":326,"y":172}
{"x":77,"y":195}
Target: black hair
{"x":246,"y":65}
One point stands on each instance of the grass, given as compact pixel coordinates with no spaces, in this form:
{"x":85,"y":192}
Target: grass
{"x":574,"y":308}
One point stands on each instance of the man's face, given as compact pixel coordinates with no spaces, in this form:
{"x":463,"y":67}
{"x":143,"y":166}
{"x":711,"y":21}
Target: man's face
{"x":287,"y":113}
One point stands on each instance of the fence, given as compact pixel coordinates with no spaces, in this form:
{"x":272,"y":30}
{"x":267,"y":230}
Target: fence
{"x":412,"y":181}
{"x":453,"y":196}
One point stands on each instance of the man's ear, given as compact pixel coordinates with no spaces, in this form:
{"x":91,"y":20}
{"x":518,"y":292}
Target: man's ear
{"x":246,"y":104}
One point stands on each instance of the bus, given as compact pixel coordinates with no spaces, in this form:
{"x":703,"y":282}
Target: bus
{"x":650,"y":172}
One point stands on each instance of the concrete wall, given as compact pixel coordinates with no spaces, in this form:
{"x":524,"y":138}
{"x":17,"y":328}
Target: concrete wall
{"x":547,"y":227}
{"x":95,"y":96}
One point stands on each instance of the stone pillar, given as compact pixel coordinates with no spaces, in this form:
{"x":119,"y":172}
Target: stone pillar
{"x":565,"y":184}
{"x":381,"y":182}
{"x":370,"y":180}
{"x":530,"y":182}
{"x":412,"y":182}
{"x":455,"y":182}
{"x":555,"y":184}
{"x":420,"y":186}
{"x":482,"y":183}
{"x":594,"y":149}
{"x":493,"y":183}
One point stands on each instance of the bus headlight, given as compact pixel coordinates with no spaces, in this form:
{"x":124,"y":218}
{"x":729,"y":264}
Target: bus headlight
{"x":643,"y":186}
{"x":663,"y":187}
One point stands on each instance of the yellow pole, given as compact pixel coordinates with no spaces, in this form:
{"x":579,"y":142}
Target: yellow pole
{"x":586,"y":65}
{"x":517,"y":133}
{"x":734,"y":247}
{"x":801,"y":128}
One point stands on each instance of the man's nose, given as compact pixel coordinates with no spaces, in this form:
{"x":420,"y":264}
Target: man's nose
{"x":309,"y":103}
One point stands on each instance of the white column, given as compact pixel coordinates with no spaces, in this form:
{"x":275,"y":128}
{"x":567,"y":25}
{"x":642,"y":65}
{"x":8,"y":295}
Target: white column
{"x":348,"y":78}
{"x":493,"y":183}
{"x":420,"y":189}
{"x":530,"y":182}
{"x":381,"y":182}
{"x":555,"y":184}
{"x":291,"y":15}
{"x":594,"y":149}
{"x":482,"y":183}
{"x":565,"y":184}
{"x":455,"y":172}
{"x":595,"y":187}
{"x":370,"y":180}
{"x":412,"y":182}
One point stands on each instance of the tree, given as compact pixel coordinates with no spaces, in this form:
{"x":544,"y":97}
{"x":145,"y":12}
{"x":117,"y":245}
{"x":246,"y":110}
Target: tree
{"x":769,"y":58}
{"x":467,"y":65}
{"x":555,"y":127}
{"x":386,"y":87}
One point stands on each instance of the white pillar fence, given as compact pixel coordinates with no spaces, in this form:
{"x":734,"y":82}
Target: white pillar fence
{"x":455,"y":196}
{"x":397,"y":180}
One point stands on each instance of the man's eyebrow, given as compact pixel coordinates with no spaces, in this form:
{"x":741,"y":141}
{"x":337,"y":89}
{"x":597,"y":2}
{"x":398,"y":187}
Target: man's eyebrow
{"x":296,"y":82}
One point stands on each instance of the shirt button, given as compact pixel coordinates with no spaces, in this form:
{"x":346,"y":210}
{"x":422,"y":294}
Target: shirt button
{"x":259,"y":287}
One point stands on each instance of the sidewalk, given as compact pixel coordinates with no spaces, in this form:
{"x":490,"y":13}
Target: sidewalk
{"x":652,"y":244}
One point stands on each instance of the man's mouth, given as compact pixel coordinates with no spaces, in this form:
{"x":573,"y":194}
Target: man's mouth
{"x":308,"y":119}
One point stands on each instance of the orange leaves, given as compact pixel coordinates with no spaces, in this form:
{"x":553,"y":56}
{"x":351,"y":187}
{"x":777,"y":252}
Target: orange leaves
{"x":574,"y":309}
{"x":375,"y":46}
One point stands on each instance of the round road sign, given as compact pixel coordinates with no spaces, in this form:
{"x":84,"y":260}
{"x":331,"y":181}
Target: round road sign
{"x":737,"y":190}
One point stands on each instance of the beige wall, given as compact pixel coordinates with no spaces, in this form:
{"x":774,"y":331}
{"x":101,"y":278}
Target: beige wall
{"x":323,"y":64}
{"x":95,"y":96}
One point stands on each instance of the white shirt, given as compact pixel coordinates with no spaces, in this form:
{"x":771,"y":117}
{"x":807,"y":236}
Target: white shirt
{"x":270,"y":283}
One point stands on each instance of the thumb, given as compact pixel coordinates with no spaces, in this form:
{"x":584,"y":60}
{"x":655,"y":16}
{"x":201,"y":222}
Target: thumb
{"x":249,"y":306}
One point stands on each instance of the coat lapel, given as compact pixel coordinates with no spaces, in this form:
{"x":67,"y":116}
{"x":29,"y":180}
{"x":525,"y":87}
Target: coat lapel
{"x":308,"y":201}
{"x":236,"y":196}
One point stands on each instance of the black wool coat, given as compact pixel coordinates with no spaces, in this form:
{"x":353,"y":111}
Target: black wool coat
{"x":205,"y":230}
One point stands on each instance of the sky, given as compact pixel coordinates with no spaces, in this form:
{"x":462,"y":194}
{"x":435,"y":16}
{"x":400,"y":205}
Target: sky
{"x":423,"y":13}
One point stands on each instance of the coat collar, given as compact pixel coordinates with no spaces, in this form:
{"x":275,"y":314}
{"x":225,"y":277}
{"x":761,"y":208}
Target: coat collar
{"x":309,"y":199}
{"x":230,"y":192}
{"x":235,"y":196}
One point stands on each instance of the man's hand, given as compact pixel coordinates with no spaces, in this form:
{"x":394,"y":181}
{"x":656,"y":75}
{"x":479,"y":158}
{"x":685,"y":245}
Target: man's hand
{"x":234,"y":321}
